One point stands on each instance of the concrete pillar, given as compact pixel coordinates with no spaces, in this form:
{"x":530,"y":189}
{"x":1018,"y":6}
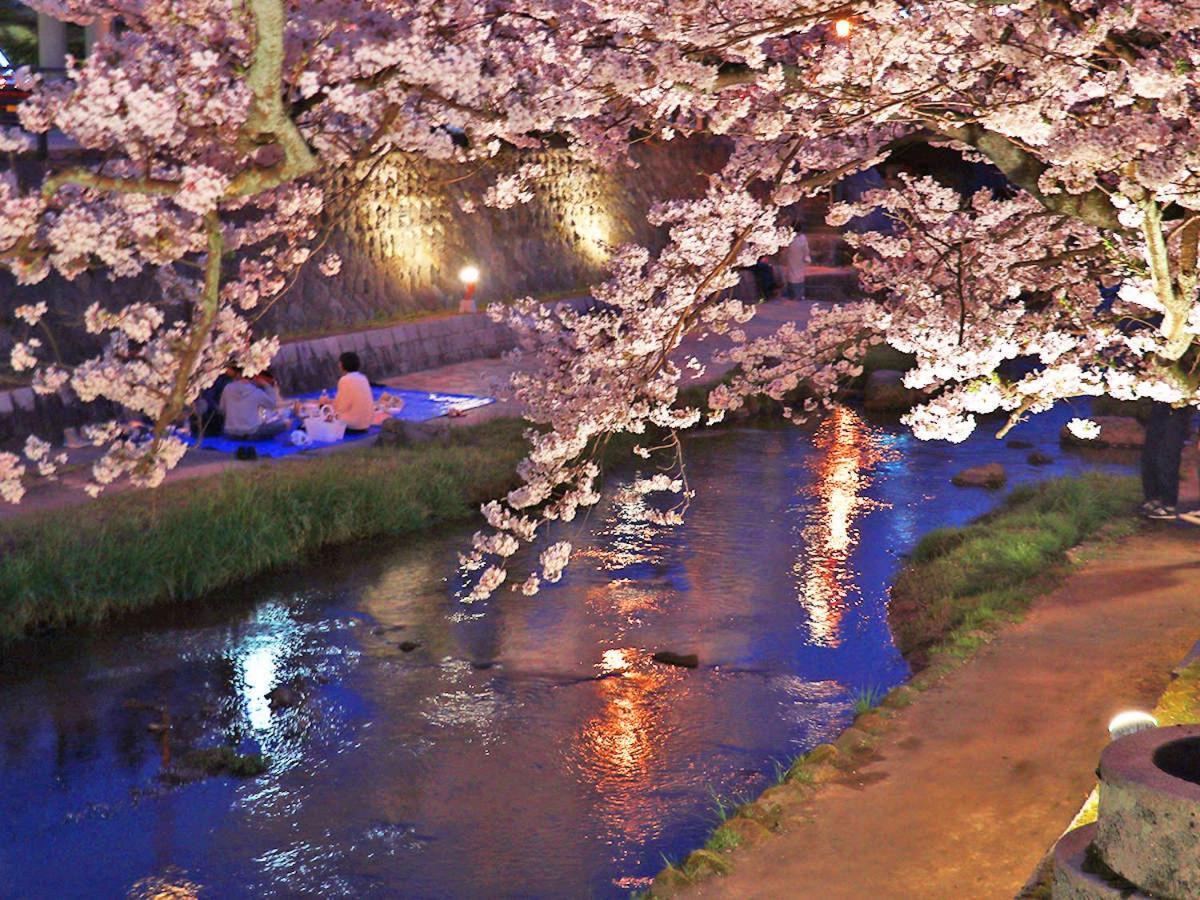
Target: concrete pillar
{"x":97,"y":31}
{"x":52,"y":42}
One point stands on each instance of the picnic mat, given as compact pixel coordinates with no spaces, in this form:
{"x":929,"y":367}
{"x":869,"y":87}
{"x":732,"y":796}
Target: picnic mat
{"x":419,"y":406}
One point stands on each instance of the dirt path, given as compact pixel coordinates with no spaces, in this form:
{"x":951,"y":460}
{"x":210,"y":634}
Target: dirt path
{"x":978,"y":777}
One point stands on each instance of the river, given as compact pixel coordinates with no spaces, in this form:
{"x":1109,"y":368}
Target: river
{"x":527,"y":746}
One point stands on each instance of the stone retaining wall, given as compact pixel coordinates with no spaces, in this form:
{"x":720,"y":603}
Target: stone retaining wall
{"x":304,"y":365}
{"x":313,"y":364}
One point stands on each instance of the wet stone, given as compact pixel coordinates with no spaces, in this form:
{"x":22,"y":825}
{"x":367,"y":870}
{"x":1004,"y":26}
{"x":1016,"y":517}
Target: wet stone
{"x":682,"y":660}
{"x":282,"y":697}
{"x":989,"y":476}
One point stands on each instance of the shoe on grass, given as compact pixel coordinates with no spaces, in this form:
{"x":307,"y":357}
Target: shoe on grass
{"x":1160,"y":512}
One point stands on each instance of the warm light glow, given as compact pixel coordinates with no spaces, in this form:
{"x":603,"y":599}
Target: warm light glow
{"x":842,"y":28}
{"x":848,"y":452}
{"x":469,"y":275}
{"x":1130,"y":722}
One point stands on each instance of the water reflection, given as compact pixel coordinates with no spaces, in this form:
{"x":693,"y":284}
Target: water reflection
{"x":518,"y":746}
{"x":847,"y":450}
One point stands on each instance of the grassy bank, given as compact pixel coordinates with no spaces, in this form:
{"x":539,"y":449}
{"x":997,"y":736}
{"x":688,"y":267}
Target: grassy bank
{"x":134,"y":549}
{"x":958,"y":586}
{"x":960,"y":583}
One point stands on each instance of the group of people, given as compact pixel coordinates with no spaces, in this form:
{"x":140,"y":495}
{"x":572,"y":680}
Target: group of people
{"x":250,"y":408}
{"x":786,"y":271}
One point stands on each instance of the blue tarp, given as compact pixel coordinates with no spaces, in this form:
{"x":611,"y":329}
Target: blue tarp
{"x":419,"y":406}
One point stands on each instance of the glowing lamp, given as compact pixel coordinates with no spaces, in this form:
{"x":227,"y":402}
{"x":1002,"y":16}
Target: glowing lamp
{"x":469,"y":276}
{"x":1130,"y":722}
{"x":842,"y":28}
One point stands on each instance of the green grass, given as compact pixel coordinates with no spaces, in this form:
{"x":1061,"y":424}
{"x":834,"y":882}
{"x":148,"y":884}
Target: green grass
{"x":226,"y":761}
{"x":131,"y":550}
{"x":867,"y":698}
{"x":960,"y":583}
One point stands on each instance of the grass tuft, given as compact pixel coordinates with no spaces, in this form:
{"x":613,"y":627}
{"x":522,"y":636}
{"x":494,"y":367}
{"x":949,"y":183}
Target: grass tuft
{"x":961,"y":583}
{"x":867,"y":698}
{"x":226,"y":761}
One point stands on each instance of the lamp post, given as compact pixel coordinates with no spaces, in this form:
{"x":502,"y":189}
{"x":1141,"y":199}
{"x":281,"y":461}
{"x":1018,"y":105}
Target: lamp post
{"x":469,"y":276}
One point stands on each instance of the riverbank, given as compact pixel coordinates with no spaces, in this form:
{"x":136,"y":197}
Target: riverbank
{"x":958,"y":784}
{"x":131,"y":550}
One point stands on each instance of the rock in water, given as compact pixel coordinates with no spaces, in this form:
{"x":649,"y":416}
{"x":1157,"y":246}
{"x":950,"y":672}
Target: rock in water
{"x":1020,"y":445}
{"x":991,"y":475}
{"x":683,"y":660}
{"x":408,"y":646}
{"x":885,"y":390}
{"x":1039,"y":459}
{"x":282,"y":697}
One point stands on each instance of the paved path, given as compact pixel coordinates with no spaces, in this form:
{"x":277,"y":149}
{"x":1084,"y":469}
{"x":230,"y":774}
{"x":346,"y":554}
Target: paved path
{"x":978,"y":777}
{"x":477,"y":376}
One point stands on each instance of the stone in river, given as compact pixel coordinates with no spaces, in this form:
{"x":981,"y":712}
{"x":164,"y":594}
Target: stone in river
{"x":683,"y":660}
{"x":991,"y":475}
{"x":885,"y":390}
{"x":282,"y":697}
{"x":1039,"y":459}
{"x":408,"y":646}
{"x":1020,"y":445}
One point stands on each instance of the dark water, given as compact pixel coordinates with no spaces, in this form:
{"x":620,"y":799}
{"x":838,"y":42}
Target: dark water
{"x":492,"y":760}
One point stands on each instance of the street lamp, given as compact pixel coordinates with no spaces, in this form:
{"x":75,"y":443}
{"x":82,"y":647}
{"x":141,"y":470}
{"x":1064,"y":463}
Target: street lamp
{"x":1130,"y":722}
{"x":469,"y":276}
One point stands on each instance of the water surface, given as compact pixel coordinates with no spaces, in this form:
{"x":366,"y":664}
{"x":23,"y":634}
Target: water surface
{"x":527,"y":746}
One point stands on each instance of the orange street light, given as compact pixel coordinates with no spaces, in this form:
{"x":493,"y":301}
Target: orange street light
{"x":469,"y":276}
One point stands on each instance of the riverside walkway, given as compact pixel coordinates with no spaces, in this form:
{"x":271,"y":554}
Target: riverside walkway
{"x":976,"y":779}
{"x":477,"y":376}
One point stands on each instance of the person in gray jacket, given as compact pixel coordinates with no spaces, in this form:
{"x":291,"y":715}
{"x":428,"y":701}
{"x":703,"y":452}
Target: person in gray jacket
{"x":242,"y":403}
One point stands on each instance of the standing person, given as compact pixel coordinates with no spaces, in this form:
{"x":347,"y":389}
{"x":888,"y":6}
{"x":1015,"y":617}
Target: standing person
{"x":354,"y":403}
{"x":796,"y":260}
{"x":243,"y":402}
{"x":1162,"y":450}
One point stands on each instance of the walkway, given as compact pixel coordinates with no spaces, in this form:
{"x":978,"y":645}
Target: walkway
{"x":478,"y":376}
{"x":978,"y":777}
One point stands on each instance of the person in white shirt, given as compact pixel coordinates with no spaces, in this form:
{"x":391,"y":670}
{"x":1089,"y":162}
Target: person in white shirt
{"x":796,"y":260}
{"x":354,"y":403}
{"x":243,"y":402}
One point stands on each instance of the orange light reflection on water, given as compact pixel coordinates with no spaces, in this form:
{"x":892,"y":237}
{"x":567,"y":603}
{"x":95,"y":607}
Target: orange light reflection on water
{"x":848,"y":450}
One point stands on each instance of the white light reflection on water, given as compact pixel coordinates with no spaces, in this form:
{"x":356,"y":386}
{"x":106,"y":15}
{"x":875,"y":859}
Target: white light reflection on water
{"x":259,"y":657}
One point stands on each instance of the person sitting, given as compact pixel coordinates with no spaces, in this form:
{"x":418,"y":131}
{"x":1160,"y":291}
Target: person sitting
{"x":354,"y":403}
{"x":242,"y":404}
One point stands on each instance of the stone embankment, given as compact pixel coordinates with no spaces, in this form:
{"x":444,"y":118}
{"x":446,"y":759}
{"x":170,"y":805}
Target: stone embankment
{"x":303,"y":365}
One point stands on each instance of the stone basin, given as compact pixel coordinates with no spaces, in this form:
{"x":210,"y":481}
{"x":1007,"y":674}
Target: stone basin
{"x":1148,"y":830}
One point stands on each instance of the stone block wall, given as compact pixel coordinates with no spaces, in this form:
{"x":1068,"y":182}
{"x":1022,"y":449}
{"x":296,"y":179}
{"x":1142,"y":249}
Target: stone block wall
{"x":405,"y":236}
{"x":310,"y":365}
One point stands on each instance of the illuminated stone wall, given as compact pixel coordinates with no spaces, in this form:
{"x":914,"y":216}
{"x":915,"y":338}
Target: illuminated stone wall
{"x":405,"y":236}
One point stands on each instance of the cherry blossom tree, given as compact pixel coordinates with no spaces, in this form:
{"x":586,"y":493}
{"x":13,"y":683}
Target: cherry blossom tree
{"x":213,"y":130}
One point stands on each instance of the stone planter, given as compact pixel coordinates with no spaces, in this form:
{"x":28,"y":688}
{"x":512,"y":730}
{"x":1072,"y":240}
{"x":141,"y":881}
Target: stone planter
{"x":1148,"y":829}
{"x":1080,"y":875}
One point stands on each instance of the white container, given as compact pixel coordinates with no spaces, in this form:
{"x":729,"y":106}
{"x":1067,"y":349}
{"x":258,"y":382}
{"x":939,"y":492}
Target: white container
{"x":325,"y":432}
